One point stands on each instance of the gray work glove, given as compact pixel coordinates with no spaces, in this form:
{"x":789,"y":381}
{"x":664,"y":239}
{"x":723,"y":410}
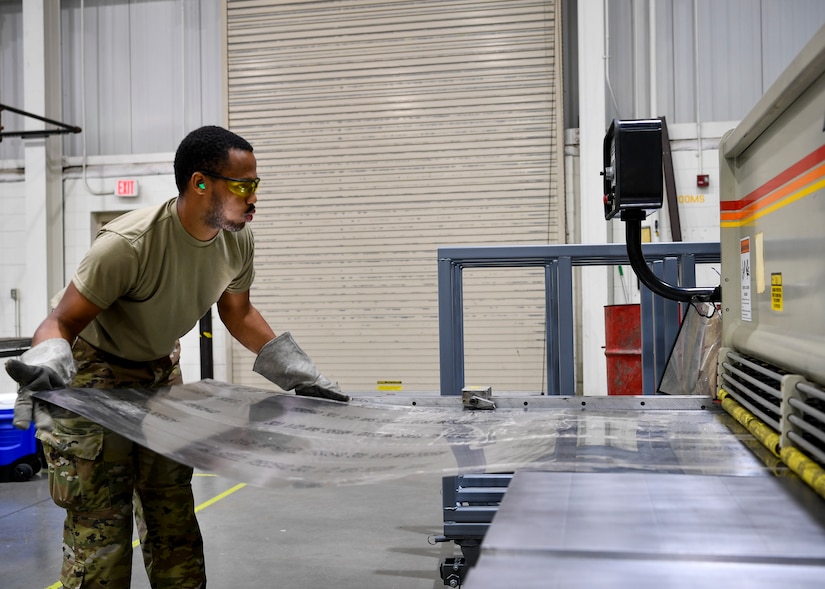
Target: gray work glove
{"x":283,"y":362}
{"x":48,"y":365}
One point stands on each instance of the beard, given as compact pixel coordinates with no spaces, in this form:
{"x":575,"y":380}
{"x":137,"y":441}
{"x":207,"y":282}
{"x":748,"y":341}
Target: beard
{"x":216,"y":218}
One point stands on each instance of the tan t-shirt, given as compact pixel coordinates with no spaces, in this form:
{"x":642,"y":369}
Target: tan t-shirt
{"x":155,"y":281}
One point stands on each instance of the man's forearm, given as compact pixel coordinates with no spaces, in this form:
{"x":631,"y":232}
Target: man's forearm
{"x":50,"y":329}
{"x":250,"y":329}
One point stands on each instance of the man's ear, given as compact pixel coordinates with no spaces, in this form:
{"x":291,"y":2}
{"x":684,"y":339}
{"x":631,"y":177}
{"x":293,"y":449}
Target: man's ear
{"x":197,"y":181}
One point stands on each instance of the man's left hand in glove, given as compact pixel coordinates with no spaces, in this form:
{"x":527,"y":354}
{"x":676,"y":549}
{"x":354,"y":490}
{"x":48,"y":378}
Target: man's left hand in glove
{"x":48,"y":365}
{"x":283,"y":362}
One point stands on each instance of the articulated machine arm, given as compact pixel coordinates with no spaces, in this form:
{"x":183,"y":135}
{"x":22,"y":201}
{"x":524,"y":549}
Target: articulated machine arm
{"x":658,"y":286}
{"x":632,"y":187}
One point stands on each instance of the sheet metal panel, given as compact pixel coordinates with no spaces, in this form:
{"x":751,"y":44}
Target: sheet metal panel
{"x":651,"y":530}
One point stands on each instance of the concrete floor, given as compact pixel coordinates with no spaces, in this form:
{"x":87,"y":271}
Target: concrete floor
{"x":370,"y":536}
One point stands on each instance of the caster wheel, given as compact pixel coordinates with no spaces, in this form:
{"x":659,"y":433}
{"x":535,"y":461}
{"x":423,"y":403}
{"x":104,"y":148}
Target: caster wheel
{"x":36,"y":465}
{"x":23,"y":472}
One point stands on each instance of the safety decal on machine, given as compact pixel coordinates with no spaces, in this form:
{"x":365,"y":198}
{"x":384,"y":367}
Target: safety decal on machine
{"x":745,"y":270}
{"x":776,"y":291}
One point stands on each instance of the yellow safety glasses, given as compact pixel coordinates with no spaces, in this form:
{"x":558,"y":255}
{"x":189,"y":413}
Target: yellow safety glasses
{"x":236,"y":186}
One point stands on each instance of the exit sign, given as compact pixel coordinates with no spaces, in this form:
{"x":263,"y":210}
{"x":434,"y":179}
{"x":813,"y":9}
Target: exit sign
{"x":126,"y":187}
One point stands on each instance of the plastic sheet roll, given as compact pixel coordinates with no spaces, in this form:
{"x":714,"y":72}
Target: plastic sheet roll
{"x":269,"y":439}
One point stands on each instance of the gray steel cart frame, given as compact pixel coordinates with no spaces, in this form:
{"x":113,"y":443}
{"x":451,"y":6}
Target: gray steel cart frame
{"x":675,"y":263}
{"x":471,"y":500}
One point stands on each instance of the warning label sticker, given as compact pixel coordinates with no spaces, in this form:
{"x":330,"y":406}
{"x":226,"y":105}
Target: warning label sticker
{"x":745,"y":270}
{"x":776,"y":291}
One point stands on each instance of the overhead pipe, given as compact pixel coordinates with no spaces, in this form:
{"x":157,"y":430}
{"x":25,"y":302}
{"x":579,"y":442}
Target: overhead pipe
{"x":696,"y":78}
{"x":83,"y":98}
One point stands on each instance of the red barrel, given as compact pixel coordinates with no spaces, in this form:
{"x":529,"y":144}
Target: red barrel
{"x":623,"y":349}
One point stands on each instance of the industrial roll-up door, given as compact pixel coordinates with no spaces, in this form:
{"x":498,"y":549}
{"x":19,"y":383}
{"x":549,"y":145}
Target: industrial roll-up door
{"x":384,"y":130}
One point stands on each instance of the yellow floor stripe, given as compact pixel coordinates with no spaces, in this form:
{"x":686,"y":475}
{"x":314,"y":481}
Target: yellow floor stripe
{"x":217,"y":498}
{"x":198,"y":508}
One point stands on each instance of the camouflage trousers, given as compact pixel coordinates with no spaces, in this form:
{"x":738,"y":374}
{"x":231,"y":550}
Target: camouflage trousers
{"x":104,"y":480}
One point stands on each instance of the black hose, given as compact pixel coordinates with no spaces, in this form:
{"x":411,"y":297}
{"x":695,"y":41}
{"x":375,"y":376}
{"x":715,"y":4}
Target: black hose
{"x":654,"y":283}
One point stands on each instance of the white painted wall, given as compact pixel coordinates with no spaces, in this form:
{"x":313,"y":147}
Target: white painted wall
{"x":81,"y":207}
{"x":12,"y":267}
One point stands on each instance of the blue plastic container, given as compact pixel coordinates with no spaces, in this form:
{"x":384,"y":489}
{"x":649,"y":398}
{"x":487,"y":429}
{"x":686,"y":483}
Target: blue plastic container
{"x":19,"y":455}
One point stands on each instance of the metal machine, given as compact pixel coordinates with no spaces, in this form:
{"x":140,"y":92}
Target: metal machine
{"x":772,"y":212}
{"x":689,"y":492}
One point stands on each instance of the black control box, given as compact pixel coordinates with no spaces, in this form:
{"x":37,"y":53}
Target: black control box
{"x":632,"y":168}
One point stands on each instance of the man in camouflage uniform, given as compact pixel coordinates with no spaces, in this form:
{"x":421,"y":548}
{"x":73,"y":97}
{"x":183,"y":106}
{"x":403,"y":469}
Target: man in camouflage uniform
{"x":147,"y":279}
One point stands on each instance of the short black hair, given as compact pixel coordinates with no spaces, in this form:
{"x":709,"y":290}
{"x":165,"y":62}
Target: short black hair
{"x":206,"y":148}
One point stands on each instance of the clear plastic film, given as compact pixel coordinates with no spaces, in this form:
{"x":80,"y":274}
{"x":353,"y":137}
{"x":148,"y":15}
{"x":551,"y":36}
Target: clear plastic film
{"x":691,"y":368}
{"x":268,"y":439}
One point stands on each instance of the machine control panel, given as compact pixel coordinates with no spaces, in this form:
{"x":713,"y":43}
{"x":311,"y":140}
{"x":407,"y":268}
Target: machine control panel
{"x":632,"y":168}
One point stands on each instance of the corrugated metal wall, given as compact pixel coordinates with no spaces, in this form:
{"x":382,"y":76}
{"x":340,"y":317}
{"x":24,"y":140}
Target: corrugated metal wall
{"x":11,"y":75}
{"x":147,"y":72}
{"x":138,"y":53}
{"x":384,"y":130}
{"x":143,"y":85}
{"x":741,"y":46}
